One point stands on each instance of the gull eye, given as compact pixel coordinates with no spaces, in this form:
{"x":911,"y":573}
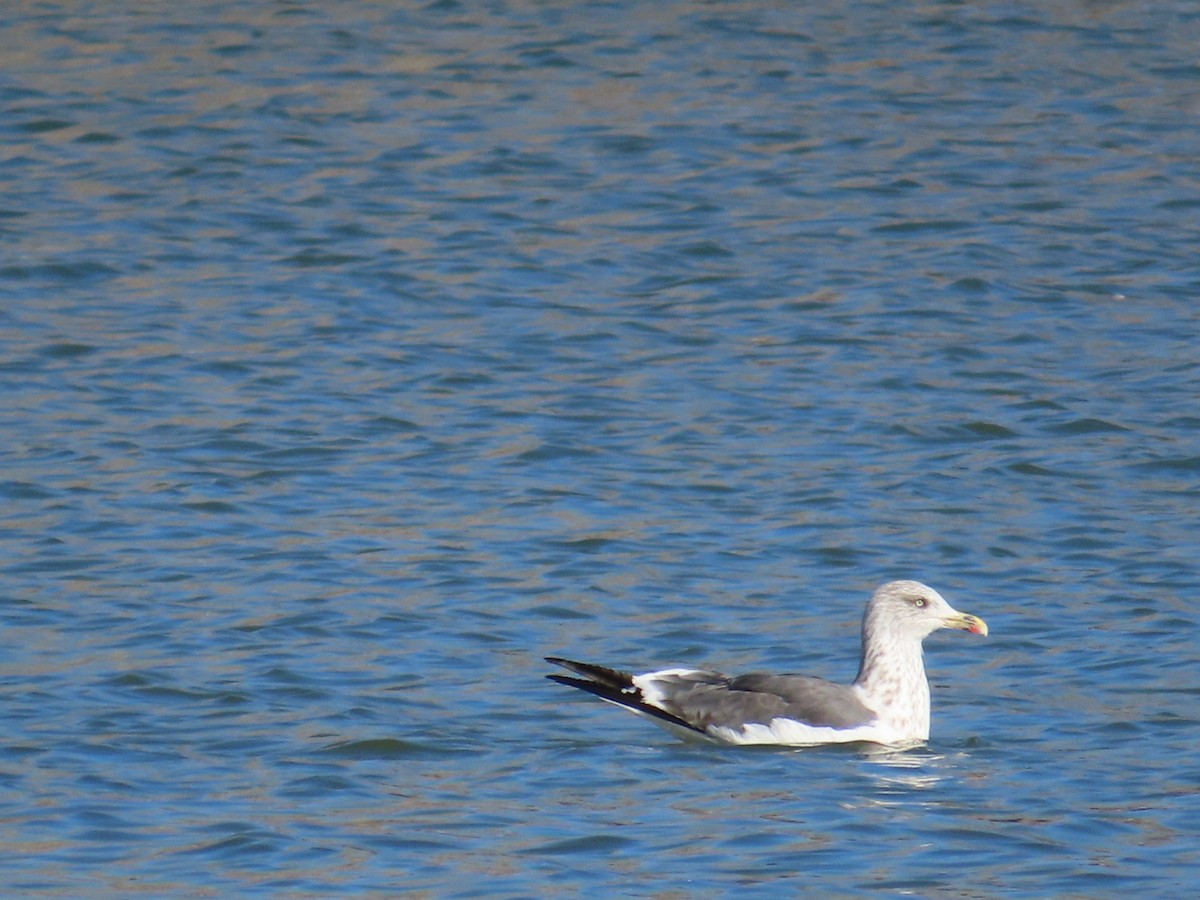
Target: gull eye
{"x":918,"y":602}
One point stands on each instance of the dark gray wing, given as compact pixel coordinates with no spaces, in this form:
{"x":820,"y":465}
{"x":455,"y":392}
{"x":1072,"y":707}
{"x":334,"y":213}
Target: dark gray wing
{"x":733,"y":702}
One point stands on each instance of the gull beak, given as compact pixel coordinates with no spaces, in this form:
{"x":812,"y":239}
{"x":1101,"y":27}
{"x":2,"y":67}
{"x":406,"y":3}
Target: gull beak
{"x":965,"y":622}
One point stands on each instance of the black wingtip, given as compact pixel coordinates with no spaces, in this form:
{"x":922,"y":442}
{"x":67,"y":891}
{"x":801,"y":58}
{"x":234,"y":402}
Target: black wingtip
{"x":613,"y":678}
{"x":573,"y":682}
{"x":629,"y":698}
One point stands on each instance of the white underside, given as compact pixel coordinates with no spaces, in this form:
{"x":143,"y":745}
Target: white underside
{"x":789,"y":732}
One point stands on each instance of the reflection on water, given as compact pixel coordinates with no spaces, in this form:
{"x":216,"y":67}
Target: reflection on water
{"x":911,"y":769}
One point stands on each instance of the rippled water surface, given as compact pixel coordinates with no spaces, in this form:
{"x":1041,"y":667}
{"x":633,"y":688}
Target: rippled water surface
{"x":357,"y":355}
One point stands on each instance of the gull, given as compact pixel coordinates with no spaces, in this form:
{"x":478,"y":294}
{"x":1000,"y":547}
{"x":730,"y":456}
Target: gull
{"x":888,"y":703}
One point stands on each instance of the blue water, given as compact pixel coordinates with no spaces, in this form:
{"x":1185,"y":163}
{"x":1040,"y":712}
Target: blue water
{"x":357,"y":355}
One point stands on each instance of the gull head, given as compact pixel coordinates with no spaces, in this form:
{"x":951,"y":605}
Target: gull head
{"x":909,"y":609}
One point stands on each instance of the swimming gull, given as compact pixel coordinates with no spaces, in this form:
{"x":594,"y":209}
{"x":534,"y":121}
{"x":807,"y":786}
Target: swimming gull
{"x":888,"y":703}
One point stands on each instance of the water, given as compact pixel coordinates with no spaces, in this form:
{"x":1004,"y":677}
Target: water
{"x":355,"y":356}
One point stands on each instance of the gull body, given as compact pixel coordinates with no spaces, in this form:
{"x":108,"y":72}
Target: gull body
{"x":888,"y":703}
